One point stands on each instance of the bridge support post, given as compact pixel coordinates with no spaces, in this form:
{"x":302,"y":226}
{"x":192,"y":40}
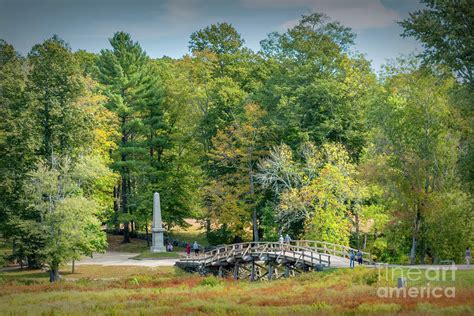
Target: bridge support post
{"x":252,"y":272}
{"x":220,"y":273}
{"x":236,"y":271}
{"x":270,"y":271}
{"x":287,"y":271}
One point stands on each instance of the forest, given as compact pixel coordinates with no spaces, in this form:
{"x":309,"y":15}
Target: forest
{"x":301,"y":137}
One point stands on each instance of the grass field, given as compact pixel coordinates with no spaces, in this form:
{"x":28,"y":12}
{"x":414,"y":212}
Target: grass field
{"x":152,"y":291}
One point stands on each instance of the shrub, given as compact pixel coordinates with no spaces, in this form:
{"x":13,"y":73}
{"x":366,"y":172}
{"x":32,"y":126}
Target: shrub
{"x":210,"y":281}
{"x":379,"y":308}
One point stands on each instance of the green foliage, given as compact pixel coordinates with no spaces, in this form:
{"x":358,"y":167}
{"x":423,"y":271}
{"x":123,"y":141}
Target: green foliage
{"x":220,"y":38}
{"x":415,"y":155}
{"x":50,"y":118}
{"x":316,"y":91}
{"x":211,"y":281}
{"x":382,"y":163}
{"x":317,"y":194}
{"x":55,"y":83}
{"x":445,"y":30}
{"x":67,"y":217}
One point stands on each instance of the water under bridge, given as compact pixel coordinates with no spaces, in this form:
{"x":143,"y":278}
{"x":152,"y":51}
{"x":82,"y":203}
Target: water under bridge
{"x":269,"y":260}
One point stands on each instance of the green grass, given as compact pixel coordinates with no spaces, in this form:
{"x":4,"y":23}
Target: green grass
{"x":190,"y":234}
{"x":158,"y":255}
{"x":423,"y":277}
{"x":135,"y":246}
{"x":190,"y":237}
{"x":96,"y":290}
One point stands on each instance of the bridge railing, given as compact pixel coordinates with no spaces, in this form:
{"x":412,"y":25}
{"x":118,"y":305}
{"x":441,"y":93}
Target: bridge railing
{"x":284,"y":250}
{"x":332,"y":249}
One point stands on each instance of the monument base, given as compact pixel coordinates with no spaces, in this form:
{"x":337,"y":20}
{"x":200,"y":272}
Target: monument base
{"x":157,"y":249}
{"x":157,"y":240}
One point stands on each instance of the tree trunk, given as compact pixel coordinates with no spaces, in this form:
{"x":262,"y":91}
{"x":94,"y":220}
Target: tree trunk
{"x":47,"y":135}
{"x":54,"y":272}
{"x":255,"y":225}
{"x":126,"y":228}
{"x":208,"y":226}
{"x":125,"y":189}
{"x":414,"y":242}
{"x":254,"y":211}
{"x":357,"y":229}
{"x":147,"y":235}
{"x":116,"y":209}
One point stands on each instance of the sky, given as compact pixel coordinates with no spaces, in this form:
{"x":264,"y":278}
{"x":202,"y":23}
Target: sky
{"x":163,"y":27}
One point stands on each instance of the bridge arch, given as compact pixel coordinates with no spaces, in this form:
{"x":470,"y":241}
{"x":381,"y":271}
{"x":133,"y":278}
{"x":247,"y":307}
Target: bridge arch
{"x":269,"y":260}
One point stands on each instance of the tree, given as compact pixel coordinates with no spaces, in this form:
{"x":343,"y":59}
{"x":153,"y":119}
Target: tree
{"x":236,"y":151}
{"x":68,"y":217}
{"x":133,"y":92}
{"x":54,"y":84}
{"x":445,"y":29}
{"x":316,"y":91}
{"x":47,"y":116}
{"x":318,"y":192}
{"x":415,"y":146}
{"x":15,"y":148}
{"x":220,"y":38}
{"x":176,"y":174}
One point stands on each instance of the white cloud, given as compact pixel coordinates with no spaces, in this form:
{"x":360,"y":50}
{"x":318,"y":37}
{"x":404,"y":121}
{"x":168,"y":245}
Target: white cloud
{"x":358,"y":14}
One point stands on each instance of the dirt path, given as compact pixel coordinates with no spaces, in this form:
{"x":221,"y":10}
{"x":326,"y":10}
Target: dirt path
{"x":112,"y":258}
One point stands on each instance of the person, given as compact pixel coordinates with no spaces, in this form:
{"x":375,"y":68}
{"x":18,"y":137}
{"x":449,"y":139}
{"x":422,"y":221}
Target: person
{"x":287,"y":238}
{"x":281,"y":240}
{"x":196,"y":248}
{"x":188,"y":249}
{"x":468,"y":256}
{"x":351,"y":259}
{"x":359,"y":256}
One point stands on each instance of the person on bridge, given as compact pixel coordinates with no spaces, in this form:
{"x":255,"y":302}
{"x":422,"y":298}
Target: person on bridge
{"x":196,"y":248}
{"x":281,"y":240}
{"x":359,"y":256}
{"x":287,"y":239}
{"x":351,"y":259}
{"x":468,"y":256}
{"x":188,"y":249}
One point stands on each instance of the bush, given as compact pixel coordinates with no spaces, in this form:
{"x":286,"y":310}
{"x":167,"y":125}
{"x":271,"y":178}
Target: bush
{"x":210,"y":281}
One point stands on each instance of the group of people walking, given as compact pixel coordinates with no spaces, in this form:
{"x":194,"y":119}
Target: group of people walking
{"x":353,"y":256}
{"x":286,"y":240}
{"x":195,"y":247}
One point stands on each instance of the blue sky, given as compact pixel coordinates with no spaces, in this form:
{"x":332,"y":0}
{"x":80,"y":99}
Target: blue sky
{"x":163,"y":27}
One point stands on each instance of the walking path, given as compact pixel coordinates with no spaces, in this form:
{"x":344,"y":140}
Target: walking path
{"x":111,"y":258}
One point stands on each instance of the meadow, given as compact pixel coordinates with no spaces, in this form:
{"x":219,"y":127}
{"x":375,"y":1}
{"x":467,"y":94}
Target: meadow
{"x":169,"y":291}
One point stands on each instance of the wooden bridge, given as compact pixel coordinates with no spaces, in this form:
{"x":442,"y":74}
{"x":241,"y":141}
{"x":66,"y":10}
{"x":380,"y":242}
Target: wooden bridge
{"x":269,"y":260}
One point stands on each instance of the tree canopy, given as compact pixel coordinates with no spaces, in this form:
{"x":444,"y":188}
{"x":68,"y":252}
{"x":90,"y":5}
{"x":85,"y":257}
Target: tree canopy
{"x":299,"y":138}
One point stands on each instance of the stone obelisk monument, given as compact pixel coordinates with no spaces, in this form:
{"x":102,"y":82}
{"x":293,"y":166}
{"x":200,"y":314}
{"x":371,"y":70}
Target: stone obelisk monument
{"x":157,"y":228}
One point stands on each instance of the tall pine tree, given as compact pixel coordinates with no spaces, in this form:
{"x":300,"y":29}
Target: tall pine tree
{"x":132,"y":87}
